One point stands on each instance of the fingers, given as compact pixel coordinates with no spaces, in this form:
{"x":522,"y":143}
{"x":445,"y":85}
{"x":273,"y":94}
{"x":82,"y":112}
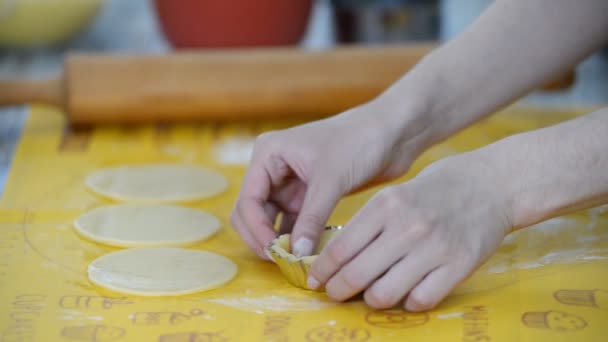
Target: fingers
{"x":272,"y":211}
{"x":319,"y":202}
{"x":252,"y":217}
{"x":400,"y":279}
{"x":287,"y":222}
{"x":240,"y":227}
{"x":366,"y":267}
{"x":256,"y":220}
{"x":435,"y":287}
{"x":363,"y":228}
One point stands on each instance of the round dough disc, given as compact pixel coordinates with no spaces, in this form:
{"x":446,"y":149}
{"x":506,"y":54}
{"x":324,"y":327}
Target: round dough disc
{"x":130,"y":225}
{"x":161,"y":271}
{"x":157,"y":183}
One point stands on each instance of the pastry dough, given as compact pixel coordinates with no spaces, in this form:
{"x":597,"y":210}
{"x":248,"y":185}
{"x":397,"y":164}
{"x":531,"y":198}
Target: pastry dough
{"x":161,"y":271}
{"x":293,"y":268}
{"x":157,"y":183}
{"x":131,"y":225}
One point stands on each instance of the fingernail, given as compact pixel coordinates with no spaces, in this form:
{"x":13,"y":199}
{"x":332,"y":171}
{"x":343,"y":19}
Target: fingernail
{"x":312,"y":283}
{"x":267,"y":252}
{"x":302,"y":247}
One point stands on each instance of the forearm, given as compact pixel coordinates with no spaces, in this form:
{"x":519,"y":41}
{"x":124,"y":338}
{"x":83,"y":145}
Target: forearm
{"x":514,"y":46}
{"x":553,"y":171}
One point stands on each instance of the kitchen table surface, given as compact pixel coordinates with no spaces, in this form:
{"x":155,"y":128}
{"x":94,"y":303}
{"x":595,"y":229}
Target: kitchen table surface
{"x":544,"y":283}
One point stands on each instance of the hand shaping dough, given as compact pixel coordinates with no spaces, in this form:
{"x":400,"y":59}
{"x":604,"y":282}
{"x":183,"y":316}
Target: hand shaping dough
{"x":293,"y":268}
{"x":156,"y":183}
{"x":130,"y":225}
{"x":161,"y":271}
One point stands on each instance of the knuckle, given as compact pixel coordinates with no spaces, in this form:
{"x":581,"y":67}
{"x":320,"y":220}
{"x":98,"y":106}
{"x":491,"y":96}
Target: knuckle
{"x":422,"y":226}
{"x":311,"y":222}
{"x":464,"y":260}
{"x":265,"y":141}
{"x":379,"y":299}
{"x":443,"y":250}
{"x":326,"y":264}
{"x":390,"y":199}
{"x":417,"y":230}
{"x":352,"y":279}
{"x":265,"y":137}
{"x":336,"y":254}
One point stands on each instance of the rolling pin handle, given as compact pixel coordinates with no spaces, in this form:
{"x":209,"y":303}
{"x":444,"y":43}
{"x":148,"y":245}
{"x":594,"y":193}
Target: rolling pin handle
{"x":19,"y":92}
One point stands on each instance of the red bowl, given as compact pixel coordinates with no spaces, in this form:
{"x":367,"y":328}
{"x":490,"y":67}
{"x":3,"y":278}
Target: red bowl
{"x":233,"y":23}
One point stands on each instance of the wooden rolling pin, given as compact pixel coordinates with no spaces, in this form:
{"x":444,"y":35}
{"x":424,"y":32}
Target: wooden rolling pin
{"x":220,"y":84}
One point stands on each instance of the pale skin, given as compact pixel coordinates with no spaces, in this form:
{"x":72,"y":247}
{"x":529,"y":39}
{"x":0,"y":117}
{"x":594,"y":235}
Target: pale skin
{"x":412,"y":243}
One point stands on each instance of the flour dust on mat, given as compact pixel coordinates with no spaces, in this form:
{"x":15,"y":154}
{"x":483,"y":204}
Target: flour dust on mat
{"x":158,"y":183}
{"x":136,"y":225}
{"x":161,"y":271}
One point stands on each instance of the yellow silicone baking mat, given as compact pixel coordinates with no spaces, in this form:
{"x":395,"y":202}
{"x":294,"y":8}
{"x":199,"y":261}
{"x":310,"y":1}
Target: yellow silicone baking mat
{"x":546,"y":283}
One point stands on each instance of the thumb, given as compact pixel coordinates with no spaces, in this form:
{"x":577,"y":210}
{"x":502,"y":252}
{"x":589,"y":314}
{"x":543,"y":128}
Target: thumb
{"x":319,"y":202}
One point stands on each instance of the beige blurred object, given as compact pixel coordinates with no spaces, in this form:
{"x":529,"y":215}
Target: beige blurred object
{"x":222,"y":84}
{"x":31,"y":23}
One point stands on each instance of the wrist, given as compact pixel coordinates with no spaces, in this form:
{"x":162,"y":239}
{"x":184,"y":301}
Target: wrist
{"x":426,"y":105}
{"x":546,"y":175}
{"x":407,"y":116}
{"x":533,"y":192}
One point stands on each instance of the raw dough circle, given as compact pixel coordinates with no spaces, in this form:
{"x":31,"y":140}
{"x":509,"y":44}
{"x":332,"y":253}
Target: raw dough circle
{"x":130,"y":225}
{"x":161,"y":271}
{"x":157,"y":183}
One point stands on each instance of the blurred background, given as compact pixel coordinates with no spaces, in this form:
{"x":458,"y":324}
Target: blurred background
{"x":35,"y":35}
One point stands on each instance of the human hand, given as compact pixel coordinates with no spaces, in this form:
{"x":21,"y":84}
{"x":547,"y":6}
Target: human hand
{"x":302,"y":172}
{"x":418,"y":240}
